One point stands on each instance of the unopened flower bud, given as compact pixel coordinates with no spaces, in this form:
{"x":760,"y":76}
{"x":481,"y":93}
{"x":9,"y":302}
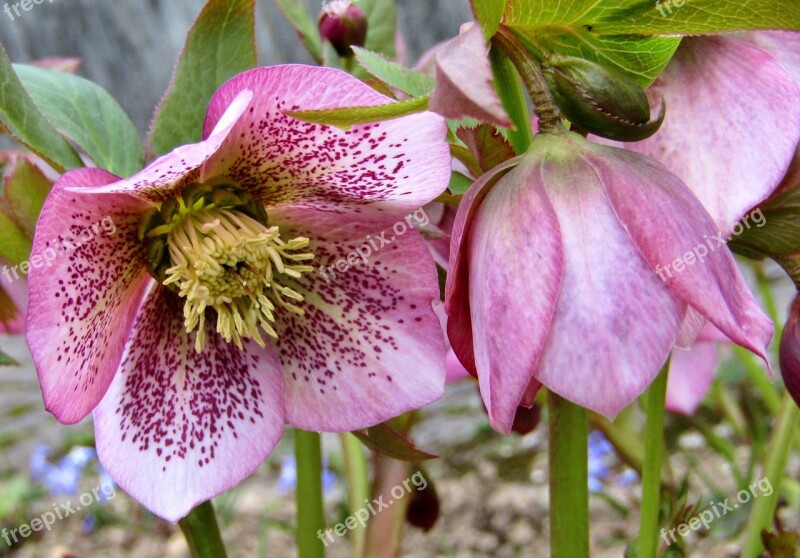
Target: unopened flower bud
{"x":599,"y":100}
{"x":424,"y":507}
{"x":526,"y":419}
{"x":344,"y":25}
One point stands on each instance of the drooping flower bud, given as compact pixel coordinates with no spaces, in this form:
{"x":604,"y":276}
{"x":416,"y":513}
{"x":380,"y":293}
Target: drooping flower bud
{"x":790,"y":352}
{"x":600,"y":100}
{"x":526,"y":419}
{"x":424,"y":507}
{"x":344,"y":25}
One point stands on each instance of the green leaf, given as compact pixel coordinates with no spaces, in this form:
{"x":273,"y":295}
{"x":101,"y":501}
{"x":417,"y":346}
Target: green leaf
{"x":459,"y":184}
{"x":385,"y":440}
{"x":220,"y":44}
{"x":488,"y":13}
{"x":85,"y":113}
{"x":346,"y":118}
{"x":15,"y":246}
{"x":396,"y":75}
{"x":6,"y":360}
{"x":25,"y":188}
{"x":382,"y":25}
{"x":19,"y":115}
{"x":698,"y":17}
{"x":570,"y":28}
{"x":305,"y":26}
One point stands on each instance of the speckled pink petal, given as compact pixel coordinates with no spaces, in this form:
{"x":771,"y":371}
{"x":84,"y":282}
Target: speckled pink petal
{"x":732,"y":125}
{"x":690,"y":376}
{"x":457,"y":303}
{"x":164,"y":177}
{"x":672,"y":231}
{"x":178,"y":427}
{"x":516,"y":262}
{"x":370,"y":346}
{"x":84,"y":292}
{"x":394,"y":166}
{"x":616,"y":321}
{"x":464,"y":83}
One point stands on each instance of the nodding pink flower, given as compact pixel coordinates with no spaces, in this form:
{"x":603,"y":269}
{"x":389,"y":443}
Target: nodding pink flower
{"x":733,"y":119}
{"x":232,"y":297}
{"x":790,"y":352}
{"x":556,"y":267}
{"x":691,"y":372}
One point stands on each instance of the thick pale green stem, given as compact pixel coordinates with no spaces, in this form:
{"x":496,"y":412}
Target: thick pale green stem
{"x":355,"y":468}
{"x":202,"y":532}
{"x":310,"y":514}
{"x":777,"y":455}
{"x":651,"y":471}
{"x":569,"y":478}
{"x":515,"y":100}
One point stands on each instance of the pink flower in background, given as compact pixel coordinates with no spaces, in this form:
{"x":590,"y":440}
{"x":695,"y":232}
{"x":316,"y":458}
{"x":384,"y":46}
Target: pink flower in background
{"x":553,"y":277}
{"x":733,"y":119}
{"x":203,"y":325}
{"x":790,"y":351}
{"x":691,"y":372}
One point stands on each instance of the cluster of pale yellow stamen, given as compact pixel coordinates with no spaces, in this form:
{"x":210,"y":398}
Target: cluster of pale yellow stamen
{"x":224,"y":259}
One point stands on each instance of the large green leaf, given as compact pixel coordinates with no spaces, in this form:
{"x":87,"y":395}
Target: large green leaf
{"x":305,"y":26}
{"x":85,"y":113}
{"x":382,"y":21}
{"x":697,"y":17}
{"x":19,"y":115}
{"x":25,"y":188}
{"x":638,"y":36}
{"x":488,"y":13}
{"x":396,"y":75}
{"x":220,"y":44}
{"x":346,"y":118}
{"x":15,"y":245}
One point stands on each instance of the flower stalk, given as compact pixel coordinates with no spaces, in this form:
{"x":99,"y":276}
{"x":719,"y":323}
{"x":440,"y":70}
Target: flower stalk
{"x":202,"y":532}
{"x":651,"y":471}
{"x":569,"y":478}
{"x":543,"y":104}
{"x":310,"y":514}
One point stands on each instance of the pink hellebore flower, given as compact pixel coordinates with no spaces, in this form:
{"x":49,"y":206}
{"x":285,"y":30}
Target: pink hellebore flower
{"x":213,"y":317}
{"x":691,"y":372}
{"x":733,"y":119}
{"x":554,"y":277}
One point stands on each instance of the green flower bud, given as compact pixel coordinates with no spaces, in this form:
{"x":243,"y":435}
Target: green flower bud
{"x":599,"y":100}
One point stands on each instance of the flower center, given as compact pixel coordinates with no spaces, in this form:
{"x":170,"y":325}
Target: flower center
{"x":213,"y":246}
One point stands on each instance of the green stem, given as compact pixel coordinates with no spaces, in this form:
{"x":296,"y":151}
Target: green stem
{"x":512,"y":95}
{"x":202,"y":532}
{"x":310,"y":514}
{"x":531,"y":74}
{"x":777,"y":456}
{"x":569,"y":478}
{"x":651,"y":470}
{"x":356,"y":470}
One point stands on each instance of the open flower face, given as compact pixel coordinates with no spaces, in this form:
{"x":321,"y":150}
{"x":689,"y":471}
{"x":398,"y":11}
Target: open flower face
{"x":219,"y":309}
{"x":605,"y":281}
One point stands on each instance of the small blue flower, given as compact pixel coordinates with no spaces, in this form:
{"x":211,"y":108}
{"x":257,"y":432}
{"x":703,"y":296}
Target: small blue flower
{"x":60,"y":479}
{"x":287,"y":481}
{"x":599,"y":452}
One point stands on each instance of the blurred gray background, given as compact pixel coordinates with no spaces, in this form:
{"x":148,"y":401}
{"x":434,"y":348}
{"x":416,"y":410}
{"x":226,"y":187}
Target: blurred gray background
{"x":130,"y":46}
